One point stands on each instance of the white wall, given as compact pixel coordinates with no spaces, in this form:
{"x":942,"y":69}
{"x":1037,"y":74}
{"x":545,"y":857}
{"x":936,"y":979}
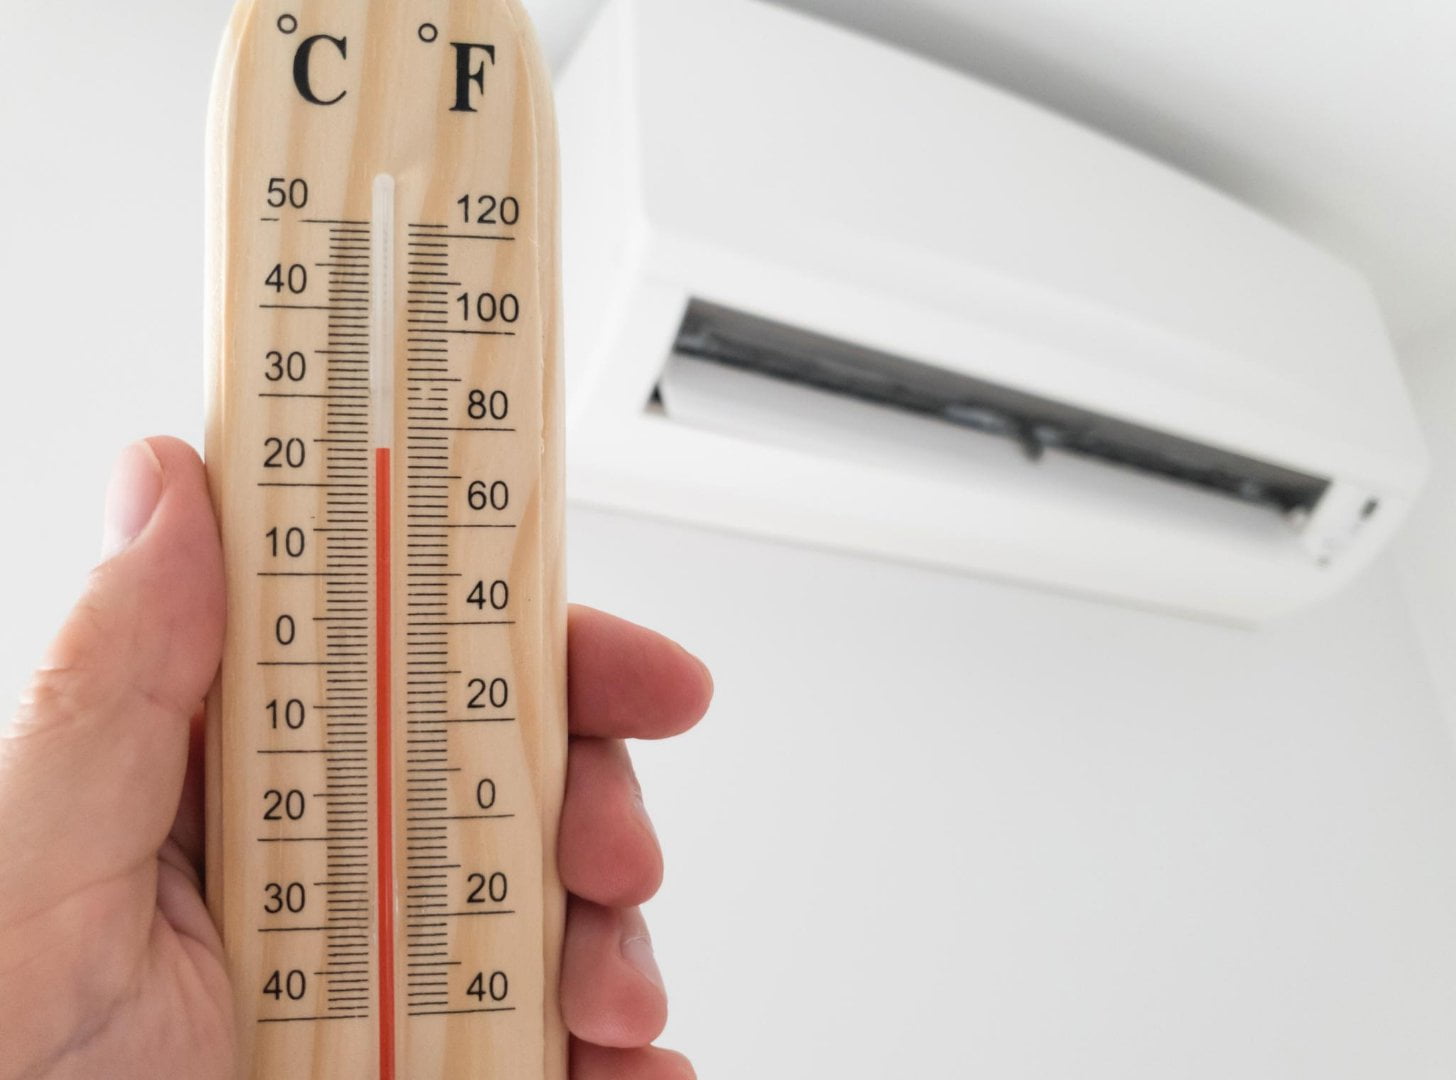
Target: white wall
{"x":1427,"y":551}
{"x":102,"y":109}
{"x":942,"y":827}
{"x":934,"y":827}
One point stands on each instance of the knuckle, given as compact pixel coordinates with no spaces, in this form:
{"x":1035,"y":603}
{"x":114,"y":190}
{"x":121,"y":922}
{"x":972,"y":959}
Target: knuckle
{"x":71,"y":684}
{"x":58,"y":698}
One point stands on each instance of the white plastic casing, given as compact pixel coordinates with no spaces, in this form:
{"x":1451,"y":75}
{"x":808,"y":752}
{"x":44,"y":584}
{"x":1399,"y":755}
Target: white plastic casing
{"x":738,"y":153}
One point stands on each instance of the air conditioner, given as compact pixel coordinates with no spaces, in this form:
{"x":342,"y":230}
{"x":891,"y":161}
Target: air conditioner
{"x":824,"y":291}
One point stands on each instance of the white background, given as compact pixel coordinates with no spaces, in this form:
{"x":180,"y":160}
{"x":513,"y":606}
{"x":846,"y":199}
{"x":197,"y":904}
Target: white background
{"x":934,"y":827}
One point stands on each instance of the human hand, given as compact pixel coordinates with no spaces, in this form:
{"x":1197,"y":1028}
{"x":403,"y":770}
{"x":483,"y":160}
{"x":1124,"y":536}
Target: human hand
{"x":109,"y":963}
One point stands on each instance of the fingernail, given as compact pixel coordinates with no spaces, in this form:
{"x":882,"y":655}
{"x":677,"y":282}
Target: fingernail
{"x":637,"y":946}
{"x":131,"y":498}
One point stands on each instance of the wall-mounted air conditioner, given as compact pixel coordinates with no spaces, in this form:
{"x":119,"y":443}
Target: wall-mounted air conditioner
{"x":824,"y":291}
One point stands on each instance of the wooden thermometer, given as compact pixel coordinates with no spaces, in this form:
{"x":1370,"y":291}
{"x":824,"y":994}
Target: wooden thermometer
{"x":387,"y":740}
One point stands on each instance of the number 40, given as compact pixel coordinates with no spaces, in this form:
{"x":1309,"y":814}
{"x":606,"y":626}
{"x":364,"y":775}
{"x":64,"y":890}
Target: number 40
{"x":496,"y":987}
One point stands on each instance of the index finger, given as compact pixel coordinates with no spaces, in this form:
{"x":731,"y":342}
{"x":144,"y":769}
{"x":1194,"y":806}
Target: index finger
{"x":627,"y":682}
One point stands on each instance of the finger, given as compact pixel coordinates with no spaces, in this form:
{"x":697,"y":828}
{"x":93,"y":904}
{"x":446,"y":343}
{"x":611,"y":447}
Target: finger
{"x":189,"y":827}
{"x":91,"y":772}
{"x":590,"y":1062}
{"x":627,"y":682}
{"x":611,"y":990}
{"x":607,"y":852}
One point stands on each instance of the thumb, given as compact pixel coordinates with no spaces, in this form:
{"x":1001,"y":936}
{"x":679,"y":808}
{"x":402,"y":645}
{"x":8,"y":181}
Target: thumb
{"x":92,"y":769}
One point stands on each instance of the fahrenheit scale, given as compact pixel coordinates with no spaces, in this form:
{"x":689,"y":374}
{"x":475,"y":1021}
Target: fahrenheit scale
{"x":387,"y":740}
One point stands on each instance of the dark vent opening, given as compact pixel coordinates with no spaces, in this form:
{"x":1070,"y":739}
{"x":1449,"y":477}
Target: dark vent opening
{"x":749,"y":343}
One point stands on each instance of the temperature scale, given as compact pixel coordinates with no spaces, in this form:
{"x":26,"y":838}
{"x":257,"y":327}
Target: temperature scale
{"x":387,"y":740}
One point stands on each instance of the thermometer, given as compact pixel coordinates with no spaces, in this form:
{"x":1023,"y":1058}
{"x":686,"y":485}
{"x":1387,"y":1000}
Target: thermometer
{"x":387,"y":739}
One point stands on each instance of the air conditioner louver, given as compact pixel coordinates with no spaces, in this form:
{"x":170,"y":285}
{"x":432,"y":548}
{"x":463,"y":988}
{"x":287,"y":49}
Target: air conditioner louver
{"x":772,"y":350}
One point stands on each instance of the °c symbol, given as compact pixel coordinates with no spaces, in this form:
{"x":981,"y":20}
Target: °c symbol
{"x":287,"y":24}
{"x":429,"y":32}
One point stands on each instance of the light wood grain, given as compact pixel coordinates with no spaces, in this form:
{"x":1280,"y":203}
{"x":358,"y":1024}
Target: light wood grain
{"x":399,"y":84}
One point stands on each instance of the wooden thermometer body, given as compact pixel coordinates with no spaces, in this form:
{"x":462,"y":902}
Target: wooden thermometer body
{"x":387,"y":740}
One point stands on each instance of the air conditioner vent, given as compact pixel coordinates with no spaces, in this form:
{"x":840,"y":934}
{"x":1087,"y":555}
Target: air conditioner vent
{"x":748,"y":343}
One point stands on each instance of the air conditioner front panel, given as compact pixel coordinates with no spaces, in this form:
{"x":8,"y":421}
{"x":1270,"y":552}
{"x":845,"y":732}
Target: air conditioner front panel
{"x":856,"y":163}
{"x":849,"y":191}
